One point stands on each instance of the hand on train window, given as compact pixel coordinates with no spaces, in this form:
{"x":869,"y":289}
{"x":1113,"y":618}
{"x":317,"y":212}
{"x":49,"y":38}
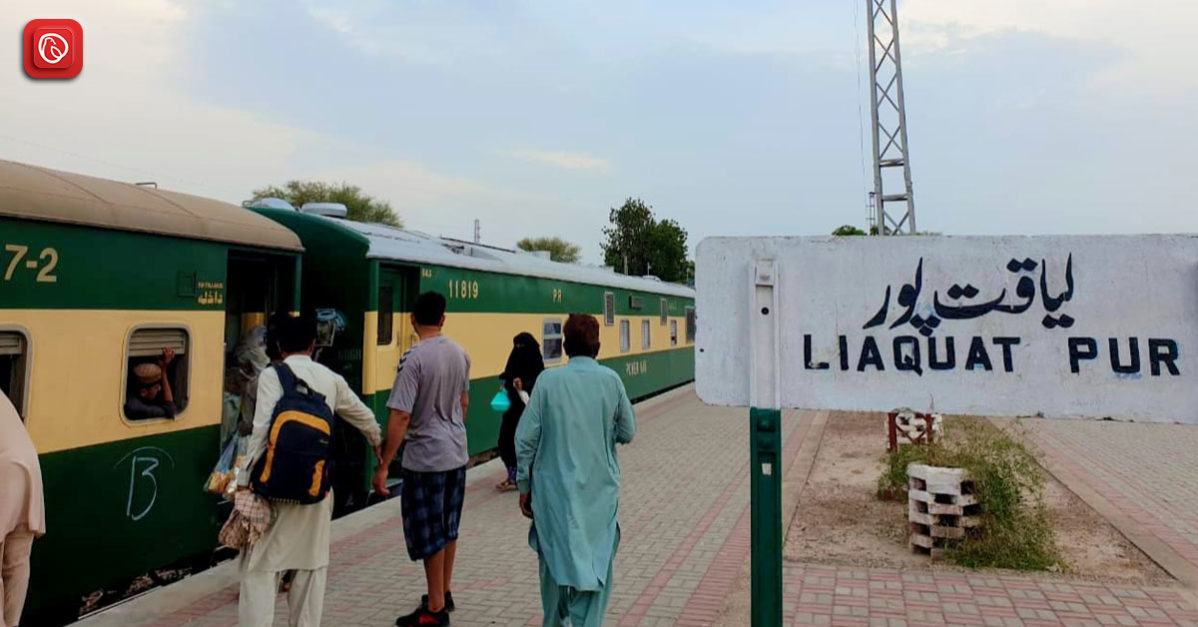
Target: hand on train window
{"x":168,"y":356}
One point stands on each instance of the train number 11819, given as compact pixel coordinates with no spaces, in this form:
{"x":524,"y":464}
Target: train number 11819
{"x":463,"y":290}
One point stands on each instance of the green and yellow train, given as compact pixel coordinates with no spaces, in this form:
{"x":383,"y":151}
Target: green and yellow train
{"x":97,"y":275}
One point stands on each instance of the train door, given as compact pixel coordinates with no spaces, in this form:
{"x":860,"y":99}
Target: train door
{"x":404,"y":283}
{"x":257,"y":285}
{"x":397,"y":286}
{"x":395,"y":333}
{"x":250,"y":293}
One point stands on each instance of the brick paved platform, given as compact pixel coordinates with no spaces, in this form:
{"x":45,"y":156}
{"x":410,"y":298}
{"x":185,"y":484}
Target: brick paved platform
{"x":1142,"y":477}
{"x":683,"y":559}
{"x":876,"y":597}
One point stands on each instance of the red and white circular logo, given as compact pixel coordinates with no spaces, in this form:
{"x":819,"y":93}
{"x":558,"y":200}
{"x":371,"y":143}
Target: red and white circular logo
{"x":53,"y":48}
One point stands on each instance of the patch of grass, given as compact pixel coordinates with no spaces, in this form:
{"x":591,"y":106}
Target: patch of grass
{"x":1016,"y":530}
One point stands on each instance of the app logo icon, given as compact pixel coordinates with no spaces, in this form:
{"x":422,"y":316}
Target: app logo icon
{"x":53,"y":48}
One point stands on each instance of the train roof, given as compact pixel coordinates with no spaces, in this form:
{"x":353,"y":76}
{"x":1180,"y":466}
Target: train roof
{"x":37,"y":193}
{"x":390,"y":243}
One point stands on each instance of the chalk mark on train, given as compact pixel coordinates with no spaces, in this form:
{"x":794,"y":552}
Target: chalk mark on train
{"x":153,"y":463}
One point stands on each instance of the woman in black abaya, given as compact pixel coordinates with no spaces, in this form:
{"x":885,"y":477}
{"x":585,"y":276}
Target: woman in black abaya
{"x":524,"y":365}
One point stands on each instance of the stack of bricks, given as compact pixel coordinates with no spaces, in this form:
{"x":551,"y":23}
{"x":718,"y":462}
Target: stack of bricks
{"x":904,"y":426}
{"x":941,"y":506}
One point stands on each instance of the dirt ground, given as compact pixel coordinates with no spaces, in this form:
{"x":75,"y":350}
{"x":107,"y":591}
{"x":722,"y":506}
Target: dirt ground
{"x":840,"y":521}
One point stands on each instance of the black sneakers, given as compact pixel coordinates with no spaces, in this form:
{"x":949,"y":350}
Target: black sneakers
{"x":423,"y":618}
{"x":448,"y":602}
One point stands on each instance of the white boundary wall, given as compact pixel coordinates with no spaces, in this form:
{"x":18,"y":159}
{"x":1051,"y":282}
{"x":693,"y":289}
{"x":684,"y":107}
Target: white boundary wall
{"x":860,"y":319}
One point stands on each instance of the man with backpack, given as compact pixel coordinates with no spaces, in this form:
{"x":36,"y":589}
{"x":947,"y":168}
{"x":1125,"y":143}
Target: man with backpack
{"x":287,"y":462}
{"x":428,"y":416}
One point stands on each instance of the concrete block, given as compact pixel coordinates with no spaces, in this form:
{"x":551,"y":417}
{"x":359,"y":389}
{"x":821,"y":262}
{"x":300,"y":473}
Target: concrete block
{"x":922,"y":541}
{"x":950,"y":533}
{"x":940,"y":507}
{"x":941,"y":480}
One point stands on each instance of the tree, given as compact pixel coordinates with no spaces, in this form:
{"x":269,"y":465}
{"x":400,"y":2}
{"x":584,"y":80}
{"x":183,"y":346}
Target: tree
{"x":667,"y":256}
{"x":847,"y":230}
{"x":359,"y":207}
{"x":627,"y":246}
{"x":558,"y":248}
{"x":638,"y":244}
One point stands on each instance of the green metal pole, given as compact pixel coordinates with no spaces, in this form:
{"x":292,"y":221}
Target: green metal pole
{"x":765,"y":485}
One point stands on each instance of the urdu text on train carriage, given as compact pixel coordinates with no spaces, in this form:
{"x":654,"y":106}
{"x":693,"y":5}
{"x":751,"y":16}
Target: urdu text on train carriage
{"x":924,"y":316}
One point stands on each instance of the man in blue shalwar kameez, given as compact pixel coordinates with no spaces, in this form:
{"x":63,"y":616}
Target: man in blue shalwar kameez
{"x":569,"y":477}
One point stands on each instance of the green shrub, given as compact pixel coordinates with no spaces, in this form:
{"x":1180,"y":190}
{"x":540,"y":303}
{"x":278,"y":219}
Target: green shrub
{"x":1016,"y":530}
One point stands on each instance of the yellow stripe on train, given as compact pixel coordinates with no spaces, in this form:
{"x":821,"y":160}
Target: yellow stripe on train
{"x":487,"y":337}
{"x":79,"y":367}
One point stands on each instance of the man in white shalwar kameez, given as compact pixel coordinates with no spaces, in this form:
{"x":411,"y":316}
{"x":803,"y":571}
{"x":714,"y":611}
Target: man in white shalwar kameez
{"x":299,"y":538}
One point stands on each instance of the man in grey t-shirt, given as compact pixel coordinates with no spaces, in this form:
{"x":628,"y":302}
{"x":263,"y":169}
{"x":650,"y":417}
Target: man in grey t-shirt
{"x":428,"y":415}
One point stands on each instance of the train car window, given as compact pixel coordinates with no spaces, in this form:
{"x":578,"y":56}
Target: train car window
{"x":551,"y":340}
{"x":625,"y":336}
{"x":609,"y":309}
{"x":386,"y":314}
{"x":665,"y":311}
{"x":690,"y":325}
{"x":14,"y":360}
{"x":146,"y":393}
{"x":673,"y":333}
{"x":646,"y":341}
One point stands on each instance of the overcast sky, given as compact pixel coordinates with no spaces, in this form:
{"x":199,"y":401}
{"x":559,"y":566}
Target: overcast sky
{"x":748,"y":118}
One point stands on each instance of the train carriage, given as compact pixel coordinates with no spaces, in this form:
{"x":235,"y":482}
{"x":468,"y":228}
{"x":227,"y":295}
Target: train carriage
{"x":371,"y":274}
{"x":96,"y":276}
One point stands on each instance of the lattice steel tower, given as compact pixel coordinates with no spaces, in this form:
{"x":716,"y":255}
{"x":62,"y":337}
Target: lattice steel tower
{"x":889,"y":117}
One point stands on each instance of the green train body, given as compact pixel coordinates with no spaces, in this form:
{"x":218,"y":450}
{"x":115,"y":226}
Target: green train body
{"x":89,"y":271}
{"x":370,"y":274}
{"x":121,"y":268}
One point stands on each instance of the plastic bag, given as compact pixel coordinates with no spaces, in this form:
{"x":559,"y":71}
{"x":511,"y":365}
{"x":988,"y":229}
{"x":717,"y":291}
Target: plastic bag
{"x":234,"y":475}
{"x":223,"y":479}
{"x":501,"y":402}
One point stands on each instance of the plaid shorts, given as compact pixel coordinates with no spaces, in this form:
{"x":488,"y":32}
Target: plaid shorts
{"x":431,"y":504}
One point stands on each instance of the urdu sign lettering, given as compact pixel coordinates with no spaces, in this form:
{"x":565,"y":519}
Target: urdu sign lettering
{"x":1081,"y":326}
